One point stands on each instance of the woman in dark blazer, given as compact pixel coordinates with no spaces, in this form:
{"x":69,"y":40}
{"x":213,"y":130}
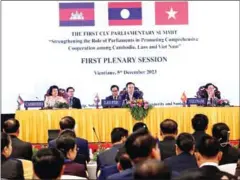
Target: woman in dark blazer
{"x":10,"y":168}
{"x":66,"y":144}
{"x":230,"y":154}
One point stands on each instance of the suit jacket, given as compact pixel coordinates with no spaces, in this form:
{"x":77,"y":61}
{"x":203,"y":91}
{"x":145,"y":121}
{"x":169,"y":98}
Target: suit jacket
{"x":107,"y":157}
{"x":74,"y":169}
{"x":198,"y":136}
{"x":126,"y":174}
{"x":206,"y":173}
{"x":11,"y":168}
{"x":21,"y":149}
{"x":167,"y":147}
{"x":136,"y":95}
{"x":230,"y":155}
{"x":129,"y":175}
{"x":83,"y":151}
{"x":76,"y":103}
{"x":181,"y":162}
{"x":107,"y":171}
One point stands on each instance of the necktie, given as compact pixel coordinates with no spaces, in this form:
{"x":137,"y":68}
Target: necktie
{"x":70,"y":102}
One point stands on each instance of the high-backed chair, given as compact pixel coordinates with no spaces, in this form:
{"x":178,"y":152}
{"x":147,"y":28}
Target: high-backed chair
{"x":27,"y":168}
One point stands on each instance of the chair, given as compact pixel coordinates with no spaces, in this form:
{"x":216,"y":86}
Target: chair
{"x":71,"y":177}
{"x":53,"y":134}
{"x":27,"y":168}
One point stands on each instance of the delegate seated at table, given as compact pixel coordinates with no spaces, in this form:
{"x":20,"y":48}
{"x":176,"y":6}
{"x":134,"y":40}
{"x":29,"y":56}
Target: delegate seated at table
{"x":52,"y":97}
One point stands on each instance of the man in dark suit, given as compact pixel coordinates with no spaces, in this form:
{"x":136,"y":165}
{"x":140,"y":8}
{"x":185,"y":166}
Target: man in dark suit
{"x":68,"y":122}
{"x":131,"y":94}
{"x":184,"y":149}
{"x":10,"y":168}
{"x":140,"y":146}
{"x":208,"y":157}
{"x":115,"y":96}
{"x":115,"y":93}
{"x":48,"y":163}
{"x":200,"y":125}
{"x":168,"y":131}
{"x":21,"y":149}
{"x":73,"y":101}
{"x":106,"y":158}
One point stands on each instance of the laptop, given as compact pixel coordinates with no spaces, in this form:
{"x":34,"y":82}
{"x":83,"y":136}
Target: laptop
{"x":53,"y":134}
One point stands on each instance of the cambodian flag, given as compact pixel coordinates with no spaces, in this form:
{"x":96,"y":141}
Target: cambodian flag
{"x":124,"y":13}
{"x":76,"y":14}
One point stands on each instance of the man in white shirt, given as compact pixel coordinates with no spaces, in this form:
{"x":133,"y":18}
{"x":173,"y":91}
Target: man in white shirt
{"x":208,"y":157}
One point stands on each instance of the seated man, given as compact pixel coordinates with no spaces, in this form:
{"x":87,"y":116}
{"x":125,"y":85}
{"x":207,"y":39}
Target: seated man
{"x":48,"y":164}
{"x":184,"y":149}
{"x":140,"y":146}
{"x":168,"y":131}
{"x":106,"y":158}
{"x":21,"y":149}
{"x":131,"y":94}
{"x":68,"y":122}
{"x":115,"y":95}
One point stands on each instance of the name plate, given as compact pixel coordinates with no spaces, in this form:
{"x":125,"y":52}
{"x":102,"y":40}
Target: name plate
{"x":196,"y":101}
{"x":111,"y":103}
{"x":33,"y":104}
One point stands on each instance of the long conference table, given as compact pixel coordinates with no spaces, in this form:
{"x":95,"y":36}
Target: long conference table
{"x":34,"y":124}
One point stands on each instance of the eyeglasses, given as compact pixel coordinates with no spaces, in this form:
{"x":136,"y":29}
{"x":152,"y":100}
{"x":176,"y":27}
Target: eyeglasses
{"x":115,"y":91}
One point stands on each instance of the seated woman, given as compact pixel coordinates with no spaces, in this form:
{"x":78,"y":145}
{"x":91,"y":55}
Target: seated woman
{"x":52,"y":97}
{"x":231,"y":154}
{"x":10,"y":168}
{"x":210,"y":92}
{"x":66,"y":144}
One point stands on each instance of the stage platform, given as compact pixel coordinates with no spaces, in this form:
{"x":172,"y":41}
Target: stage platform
{"x":34,"y":124}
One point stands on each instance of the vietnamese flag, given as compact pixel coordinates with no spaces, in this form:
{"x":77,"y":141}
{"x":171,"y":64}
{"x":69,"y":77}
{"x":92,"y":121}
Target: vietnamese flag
{"x":171,"y":13}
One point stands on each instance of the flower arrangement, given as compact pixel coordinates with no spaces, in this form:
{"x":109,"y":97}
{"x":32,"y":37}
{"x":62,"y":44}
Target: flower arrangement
{"x":139,"y":108}
{"x":99,"y":150}
{"x":61,"y":105}
{"x":223,"y":102}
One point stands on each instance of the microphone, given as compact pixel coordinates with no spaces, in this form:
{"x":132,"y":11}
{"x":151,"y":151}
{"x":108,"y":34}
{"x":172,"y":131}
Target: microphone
{"x":94,"y":130}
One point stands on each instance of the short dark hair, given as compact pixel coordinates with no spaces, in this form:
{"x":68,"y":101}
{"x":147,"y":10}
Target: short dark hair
{"x":200,"y":122}
{"x":152,"y":169}
{"x":185,"y":142}
{"x":70,"y":88}
{"x":48,"y":163}
{"x":51,"y":88}
{"x":114,"y":86}
{"x":169,"y":126}
{"x":65,"y":143}
{"x":67,"y":122}
{"x":123,"y":158}
{"x":117,"y":134}
{"x":221,"y":132}
{"x":209,"y":146}
{"x":140,"y":144}
{"x":68,"y":132}
{"x":138,"y":126}
{"x":5,"y":140}
{"x":11,"y":125}
{"x":129,"y":84}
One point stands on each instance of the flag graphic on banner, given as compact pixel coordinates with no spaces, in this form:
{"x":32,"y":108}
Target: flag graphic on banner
{"x":171,"y":13}
{"x":76,"y":14}
{"x":20,"y":100}
{"x":124,"y":13}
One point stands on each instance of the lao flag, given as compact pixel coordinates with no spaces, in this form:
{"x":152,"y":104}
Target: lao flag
{"x":76,"y":14}
{"x":171,"y":13}
{"x":124,"y":13}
